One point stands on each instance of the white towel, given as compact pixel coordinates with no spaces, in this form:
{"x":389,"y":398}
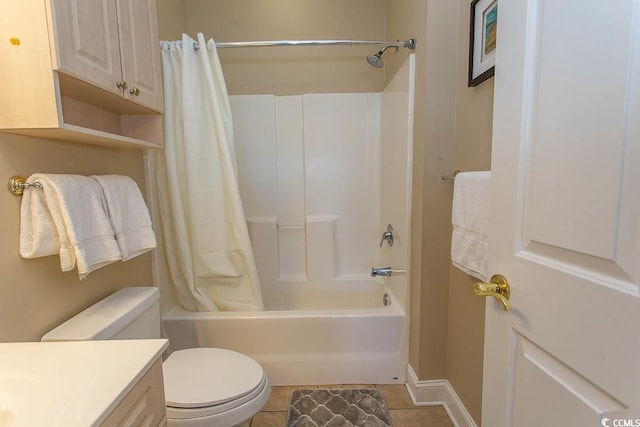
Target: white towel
{"x":76,"y":217}
{"x":128,"y":214}
{"x":38,"y":233}
{"x":470,"y":217}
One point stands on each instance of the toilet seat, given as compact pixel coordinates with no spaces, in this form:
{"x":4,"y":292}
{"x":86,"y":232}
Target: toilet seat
{"x":253,"y":401}
{"x":201,"y":382}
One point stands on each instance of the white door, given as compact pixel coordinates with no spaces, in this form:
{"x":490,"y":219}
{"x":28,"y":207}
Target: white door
{"x":140,"y":52}
{"x":86,"y":41}
{"x":565,"y":216}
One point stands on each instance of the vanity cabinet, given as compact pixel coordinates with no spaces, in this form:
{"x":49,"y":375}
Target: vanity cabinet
{"x":82,"y":383}
{"x":144,"y":405}
{"x":84,"y":71}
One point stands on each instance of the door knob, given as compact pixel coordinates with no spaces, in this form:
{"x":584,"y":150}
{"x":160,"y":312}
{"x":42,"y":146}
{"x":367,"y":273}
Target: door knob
{"x":135,"y":91}
{"x":122,"y":84}
{"x":498,"y":288}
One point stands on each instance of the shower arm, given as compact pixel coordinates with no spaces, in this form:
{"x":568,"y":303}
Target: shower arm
{"x":409,"y":44}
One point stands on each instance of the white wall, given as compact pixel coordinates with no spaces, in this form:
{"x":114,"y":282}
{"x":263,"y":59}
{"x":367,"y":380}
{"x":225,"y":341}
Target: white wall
{"x":342,"y":165}
{"x":396,"y":172}
{"x":309,"y":176}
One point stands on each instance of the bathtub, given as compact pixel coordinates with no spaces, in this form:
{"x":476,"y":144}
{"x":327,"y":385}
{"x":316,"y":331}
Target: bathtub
{"x":309,"y":334}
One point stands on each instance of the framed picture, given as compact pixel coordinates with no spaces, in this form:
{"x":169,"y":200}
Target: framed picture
{"x":482,"y":40}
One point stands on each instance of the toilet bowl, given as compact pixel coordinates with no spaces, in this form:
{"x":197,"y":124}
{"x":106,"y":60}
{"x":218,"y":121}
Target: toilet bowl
{"x":213,"y":387}
{"x":203,"y":386}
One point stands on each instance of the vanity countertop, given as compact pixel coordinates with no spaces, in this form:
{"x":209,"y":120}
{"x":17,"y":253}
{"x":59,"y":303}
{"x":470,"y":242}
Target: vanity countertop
{"x":70,"y":383}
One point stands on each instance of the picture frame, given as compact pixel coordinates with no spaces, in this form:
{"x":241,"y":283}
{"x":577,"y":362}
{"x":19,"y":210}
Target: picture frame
{"x":482,"y":40}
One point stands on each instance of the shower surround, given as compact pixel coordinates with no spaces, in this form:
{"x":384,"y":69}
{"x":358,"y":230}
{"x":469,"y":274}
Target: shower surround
{"x":309,"y":174}
{"x":321,"y":176}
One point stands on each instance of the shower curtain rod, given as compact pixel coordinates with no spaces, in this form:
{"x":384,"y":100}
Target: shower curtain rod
{"x":410,"y":44}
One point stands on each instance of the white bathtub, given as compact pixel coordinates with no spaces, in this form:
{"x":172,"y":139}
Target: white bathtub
{"x":299,"y":340}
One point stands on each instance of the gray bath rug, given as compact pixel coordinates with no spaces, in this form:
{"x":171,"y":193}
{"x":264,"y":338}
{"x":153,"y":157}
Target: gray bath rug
{"x":344,"y":407}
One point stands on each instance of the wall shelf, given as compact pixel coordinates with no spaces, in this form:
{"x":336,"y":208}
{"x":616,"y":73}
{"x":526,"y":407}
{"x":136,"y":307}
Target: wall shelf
{"x":82,"y":135}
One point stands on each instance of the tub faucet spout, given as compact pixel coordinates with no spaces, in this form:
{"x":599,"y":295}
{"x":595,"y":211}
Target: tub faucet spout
{"x":386,"y":271}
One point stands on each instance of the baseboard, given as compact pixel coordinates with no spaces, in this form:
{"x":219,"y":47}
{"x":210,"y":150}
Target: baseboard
{"x":438,"y":392}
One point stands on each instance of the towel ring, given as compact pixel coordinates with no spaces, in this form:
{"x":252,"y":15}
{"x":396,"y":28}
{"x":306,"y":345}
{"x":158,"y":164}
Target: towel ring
{"x":17,"y":184}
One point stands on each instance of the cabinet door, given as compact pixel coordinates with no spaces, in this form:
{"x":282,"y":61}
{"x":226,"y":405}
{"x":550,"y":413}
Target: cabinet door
{"x":144,"y":405}
{"x":140,"y":52}
{"x":85,"y":35}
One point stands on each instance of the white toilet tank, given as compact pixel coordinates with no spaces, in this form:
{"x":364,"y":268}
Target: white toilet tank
{"x":130,"y":313}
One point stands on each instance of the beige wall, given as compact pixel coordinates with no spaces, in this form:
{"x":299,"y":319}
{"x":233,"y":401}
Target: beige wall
{"x":406,"y":19}
{"x":442,"y":37}
{"x":435,"y":24}
{"x":172,"y":19}
{"x":35,"y":295}
{"x":293,"y":70}
{"x":452,"y":131}
{"x":465,"y":342}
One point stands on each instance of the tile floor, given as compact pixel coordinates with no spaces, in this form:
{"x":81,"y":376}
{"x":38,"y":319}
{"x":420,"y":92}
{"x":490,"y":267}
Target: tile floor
{"x":403,"y":412}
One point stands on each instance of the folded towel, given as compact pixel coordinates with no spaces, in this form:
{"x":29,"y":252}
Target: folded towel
{"x":470,"y":217}
{"x":77,"y":210}
{"x":128,"y":214}
{"x":38,"y":233}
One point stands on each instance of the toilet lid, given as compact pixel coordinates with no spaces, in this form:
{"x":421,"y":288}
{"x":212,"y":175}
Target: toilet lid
{"x":199,"y":377}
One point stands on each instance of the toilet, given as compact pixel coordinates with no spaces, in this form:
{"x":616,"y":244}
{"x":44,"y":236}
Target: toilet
{"x":203,"y":386}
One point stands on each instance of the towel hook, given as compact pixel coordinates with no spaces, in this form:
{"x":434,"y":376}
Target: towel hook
{"x":17,"y":184}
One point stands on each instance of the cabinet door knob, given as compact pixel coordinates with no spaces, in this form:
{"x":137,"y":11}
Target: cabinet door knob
{"x":135,"y":91}
{"x":122,"y":84}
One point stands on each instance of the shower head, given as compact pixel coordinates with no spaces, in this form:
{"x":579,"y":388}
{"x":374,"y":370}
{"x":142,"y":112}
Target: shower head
{"x":376,"y":60}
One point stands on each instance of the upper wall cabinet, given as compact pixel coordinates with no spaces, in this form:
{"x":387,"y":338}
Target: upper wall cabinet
{"x":113,"y":44}
{"x":84,"y":71}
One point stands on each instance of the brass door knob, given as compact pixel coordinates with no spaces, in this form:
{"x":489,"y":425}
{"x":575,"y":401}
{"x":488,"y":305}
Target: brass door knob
{"x":135,"y":91}
{"x":498,"y":288}
{"x":122,"y":84}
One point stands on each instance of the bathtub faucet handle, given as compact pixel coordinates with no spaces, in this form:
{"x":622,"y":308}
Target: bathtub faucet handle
{"x":388,"y":236}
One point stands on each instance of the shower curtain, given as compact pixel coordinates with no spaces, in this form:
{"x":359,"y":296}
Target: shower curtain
{"x":205,"y":232}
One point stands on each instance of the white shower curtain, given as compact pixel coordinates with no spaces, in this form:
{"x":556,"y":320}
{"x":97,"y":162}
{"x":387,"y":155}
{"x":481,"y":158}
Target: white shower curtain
{"x":205,"y":232}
